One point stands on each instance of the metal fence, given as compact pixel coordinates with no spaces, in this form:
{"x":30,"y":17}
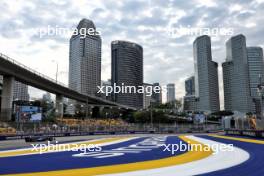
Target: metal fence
{"x":51,"y":128}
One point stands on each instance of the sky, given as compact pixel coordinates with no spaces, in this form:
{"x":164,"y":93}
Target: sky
{"x":167,"y":58}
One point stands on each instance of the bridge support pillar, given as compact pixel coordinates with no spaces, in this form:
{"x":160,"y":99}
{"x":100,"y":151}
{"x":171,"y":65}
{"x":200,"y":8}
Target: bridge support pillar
{"x":59,"y":106}
{"x":7,"y":98}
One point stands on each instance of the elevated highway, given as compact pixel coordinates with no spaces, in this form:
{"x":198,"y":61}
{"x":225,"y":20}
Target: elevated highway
{"x":13,"y":70}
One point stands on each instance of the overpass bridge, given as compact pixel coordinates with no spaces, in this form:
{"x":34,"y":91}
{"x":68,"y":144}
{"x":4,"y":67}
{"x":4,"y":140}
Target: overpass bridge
{"x":13,"y":70}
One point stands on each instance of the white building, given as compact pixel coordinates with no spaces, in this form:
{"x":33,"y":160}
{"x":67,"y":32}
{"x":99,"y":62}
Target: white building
{"x":146,"y":97}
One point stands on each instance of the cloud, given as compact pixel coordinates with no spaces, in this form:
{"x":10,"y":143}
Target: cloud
{"x":145,"y":22}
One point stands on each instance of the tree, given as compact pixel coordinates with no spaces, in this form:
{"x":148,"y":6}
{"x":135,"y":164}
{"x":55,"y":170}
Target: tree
{"x":178,"y":104}
{"x":144,"y":117}
{"x":141,"y":116}
{"x":223,"y":113}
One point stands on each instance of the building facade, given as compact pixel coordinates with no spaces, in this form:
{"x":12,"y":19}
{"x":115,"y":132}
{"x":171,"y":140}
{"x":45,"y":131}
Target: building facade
{"x":190,"y":102}
{"x":190,"y":86}
{"x":127,"y":69}
{"x":20,"y":91}
{"x":170,"y":92}
{"x":157,"y":97}
{"x":236,"y":76}
{"x":206,"y":76}
{"x":146,"y":96}
{"x":256,"y":71}
{"x":85,"y":60}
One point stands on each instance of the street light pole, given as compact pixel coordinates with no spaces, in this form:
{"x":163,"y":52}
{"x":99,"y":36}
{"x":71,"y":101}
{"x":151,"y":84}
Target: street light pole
{"x":57,"y":72}
{"x":57,"y":68}
{"x":86,"y":113}
{"x":151,"y":112}
{"x":151,"y":116}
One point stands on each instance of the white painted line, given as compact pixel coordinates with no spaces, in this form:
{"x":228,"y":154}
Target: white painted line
{"x":221,"y":160}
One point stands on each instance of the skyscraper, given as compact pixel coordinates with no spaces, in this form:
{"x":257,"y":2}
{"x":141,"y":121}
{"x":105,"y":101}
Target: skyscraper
{"x":206,"y":75}
{"x":146,"y":96}
{"x":190,"y":102}
{"x":190,"y":86}
{"x":20,"y":90}
{"x":127,"y":68}
{"x":170,"y":92}
{"x":256,"y":71}
{"x":236,"y":76}
{"x":85,"y":59}
{"x":157,"y":97}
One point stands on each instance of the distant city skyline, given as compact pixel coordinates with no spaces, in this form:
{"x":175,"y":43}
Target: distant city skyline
{"x":166,"y":59}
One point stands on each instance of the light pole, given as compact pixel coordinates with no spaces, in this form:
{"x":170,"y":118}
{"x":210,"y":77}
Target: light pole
{"x":86,"y":113}
{"x":151,"y":113}
{"x":57,"y":68}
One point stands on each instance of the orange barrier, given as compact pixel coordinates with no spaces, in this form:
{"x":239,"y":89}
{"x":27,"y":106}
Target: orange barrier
{"x":7,"y":131}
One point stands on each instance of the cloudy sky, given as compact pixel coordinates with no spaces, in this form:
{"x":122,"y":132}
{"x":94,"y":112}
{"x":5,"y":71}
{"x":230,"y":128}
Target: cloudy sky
{"x":167,"y":58}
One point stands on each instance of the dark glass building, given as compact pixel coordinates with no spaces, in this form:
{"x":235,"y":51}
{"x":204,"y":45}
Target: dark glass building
{"x":190,"y":86}
{"x":127,"y":70}
{"x":156,"y":97}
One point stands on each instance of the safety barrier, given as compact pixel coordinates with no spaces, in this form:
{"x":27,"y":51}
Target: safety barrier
{"x":251,"y":133}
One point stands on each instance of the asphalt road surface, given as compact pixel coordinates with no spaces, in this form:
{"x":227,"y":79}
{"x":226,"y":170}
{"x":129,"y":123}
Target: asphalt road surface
{"x":136,"y":155}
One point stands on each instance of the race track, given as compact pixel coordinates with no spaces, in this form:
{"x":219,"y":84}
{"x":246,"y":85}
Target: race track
{"x":142,"y":155}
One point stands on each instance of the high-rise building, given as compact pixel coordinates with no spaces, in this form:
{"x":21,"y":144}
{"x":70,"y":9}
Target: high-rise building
{"x":170,"y":92}
{"x":206,"y":75}
{"x":85,"y":59}
{"x":256,"y":71}
{"x":20,"y":91}
{"x":190,"y":103}
{"x":127,"y":69}
{"x":236,"y":76}
{"x":189,"y":100}
{"x":147,"y":96}
{"x":256,"y":68}
{"x":157,"y":97}
{"x":190,"y":86}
